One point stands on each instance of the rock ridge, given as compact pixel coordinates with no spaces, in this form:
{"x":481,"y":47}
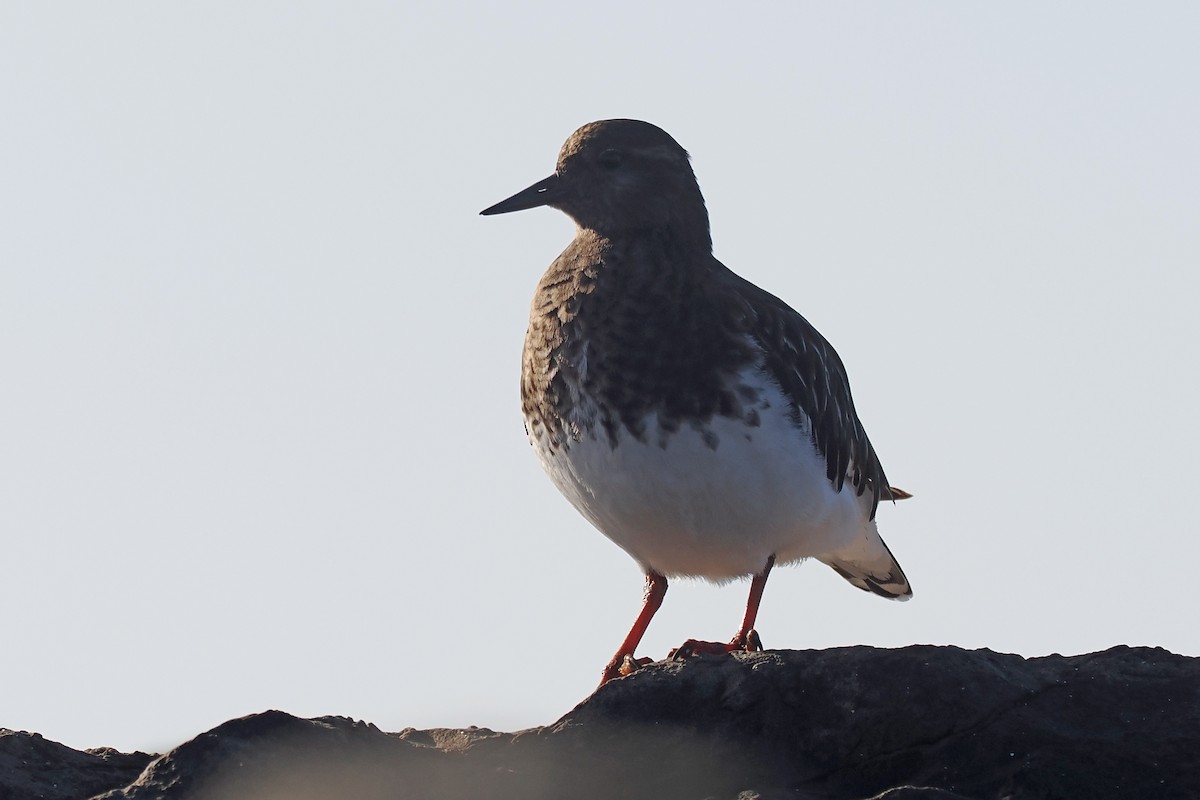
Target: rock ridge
{"x":919,"y":722}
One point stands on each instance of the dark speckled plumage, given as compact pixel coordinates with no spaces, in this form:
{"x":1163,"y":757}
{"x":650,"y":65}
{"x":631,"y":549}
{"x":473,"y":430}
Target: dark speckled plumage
{"x":695,"y":419}
{"x":639,"y":315}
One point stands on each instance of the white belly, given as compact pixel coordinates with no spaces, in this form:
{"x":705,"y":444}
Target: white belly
{"x":688,"y":508}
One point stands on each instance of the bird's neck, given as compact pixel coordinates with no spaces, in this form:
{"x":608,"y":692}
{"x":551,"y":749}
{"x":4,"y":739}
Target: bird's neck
{"x":652,"y":270}
{"x":679,"y":229}
{"x":647,"y":256}
{"x":631,"y":294}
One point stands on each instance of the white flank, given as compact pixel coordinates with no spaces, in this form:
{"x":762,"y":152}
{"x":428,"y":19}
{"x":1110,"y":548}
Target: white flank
{"x":682,"y":507}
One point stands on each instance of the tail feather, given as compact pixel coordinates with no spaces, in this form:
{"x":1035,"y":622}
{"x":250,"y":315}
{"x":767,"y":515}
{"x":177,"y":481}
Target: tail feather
{"x":868,"y":564}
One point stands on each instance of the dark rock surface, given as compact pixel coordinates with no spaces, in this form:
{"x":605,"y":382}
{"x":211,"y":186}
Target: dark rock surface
{"x":919,"y":723}
{"x":32,"y":767}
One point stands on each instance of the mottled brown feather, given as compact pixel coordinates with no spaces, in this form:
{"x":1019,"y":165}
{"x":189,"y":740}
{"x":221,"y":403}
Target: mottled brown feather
{"x":637,"y":318}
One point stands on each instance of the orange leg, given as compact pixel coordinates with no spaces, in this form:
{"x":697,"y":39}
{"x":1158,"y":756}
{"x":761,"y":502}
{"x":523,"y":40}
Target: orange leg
{"x":746,"y":638}
{"x":623,"y":662}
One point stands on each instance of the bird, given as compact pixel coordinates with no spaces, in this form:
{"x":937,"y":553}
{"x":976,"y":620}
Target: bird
{"x":695,"y":419}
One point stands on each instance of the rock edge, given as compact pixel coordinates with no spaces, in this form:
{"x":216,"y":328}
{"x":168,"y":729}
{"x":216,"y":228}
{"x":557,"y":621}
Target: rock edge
{"x":856,"y":722}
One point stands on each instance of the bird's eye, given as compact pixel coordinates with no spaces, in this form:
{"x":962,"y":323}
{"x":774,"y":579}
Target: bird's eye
{"x":610,"y":159}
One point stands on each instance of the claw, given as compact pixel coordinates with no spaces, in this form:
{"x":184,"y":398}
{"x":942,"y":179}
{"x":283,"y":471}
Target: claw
{"x":630,"y":665}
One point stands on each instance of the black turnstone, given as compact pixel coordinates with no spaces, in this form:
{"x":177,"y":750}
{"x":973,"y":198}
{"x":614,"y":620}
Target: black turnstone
{"x":697,"y":421}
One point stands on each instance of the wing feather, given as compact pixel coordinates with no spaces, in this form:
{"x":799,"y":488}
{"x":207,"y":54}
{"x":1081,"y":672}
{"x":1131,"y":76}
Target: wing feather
{"x":813,"y":378}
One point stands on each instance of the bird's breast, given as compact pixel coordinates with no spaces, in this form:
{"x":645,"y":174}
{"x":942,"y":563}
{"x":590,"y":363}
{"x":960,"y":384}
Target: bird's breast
{"x":610,"y":360}
{"x":712,"y":498}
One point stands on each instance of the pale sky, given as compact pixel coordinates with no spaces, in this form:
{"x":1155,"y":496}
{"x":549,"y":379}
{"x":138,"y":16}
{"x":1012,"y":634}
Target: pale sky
{"x":260,"y":441}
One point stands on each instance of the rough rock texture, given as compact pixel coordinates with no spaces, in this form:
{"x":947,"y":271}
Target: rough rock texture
{"x":33,"y":768}
{"x":920,"y":723}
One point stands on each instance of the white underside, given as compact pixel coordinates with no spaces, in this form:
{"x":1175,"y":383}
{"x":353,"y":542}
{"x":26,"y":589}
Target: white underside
{"x":689,"y":509}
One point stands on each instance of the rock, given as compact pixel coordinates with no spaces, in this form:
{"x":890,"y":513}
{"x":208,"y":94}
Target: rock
{"x":918,"y":723}
{"x":32,"y":767}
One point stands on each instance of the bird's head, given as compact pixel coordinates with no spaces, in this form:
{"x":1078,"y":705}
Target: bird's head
{"x":617,"y":176}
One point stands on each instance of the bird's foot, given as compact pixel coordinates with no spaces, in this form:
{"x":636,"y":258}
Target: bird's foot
{"x":748,"y":642}
{"x":694,"y":647}
{"x":621,"y":666}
